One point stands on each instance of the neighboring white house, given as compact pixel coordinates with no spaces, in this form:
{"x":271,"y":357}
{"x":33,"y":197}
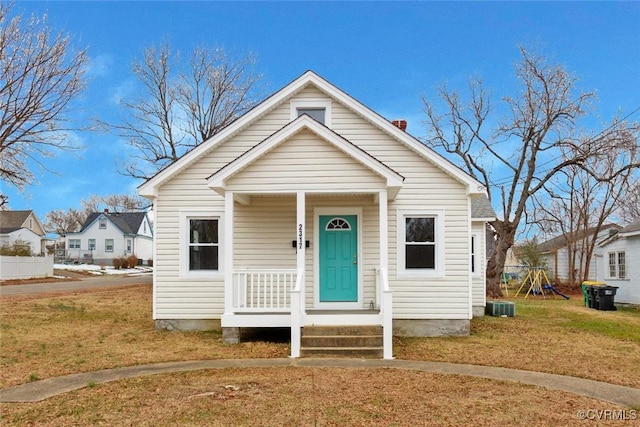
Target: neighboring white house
{"x":556,"y":253}
{"x":618,"y":263}
{"x":22,"y":226}
{"x":312,"y":209}
{"x":108,"y":235}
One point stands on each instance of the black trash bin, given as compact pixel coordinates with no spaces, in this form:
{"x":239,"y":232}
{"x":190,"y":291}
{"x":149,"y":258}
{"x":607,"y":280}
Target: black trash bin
{"x":605,"y":296}
{"x":593,"y":296}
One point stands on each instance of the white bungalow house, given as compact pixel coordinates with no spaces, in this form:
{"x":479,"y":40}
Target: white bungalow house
{"x":108,"y":235}
{"x":22,"y":227}
{"x":617,"y":260}
{"x":311,"y":209}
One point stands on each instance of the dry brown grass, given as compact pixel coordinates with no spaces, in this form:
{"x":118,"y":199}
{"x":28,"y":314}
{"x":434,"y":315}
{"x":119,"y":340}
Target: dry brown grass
{"x":47,"y":336}
{"x":50,"y":335}
{"x":306,"y":396}
{"x":555,"y":336}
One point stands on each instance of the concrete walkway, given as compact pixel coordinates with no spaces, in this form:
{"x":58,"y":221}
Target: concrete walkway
{"x":43,"y":389}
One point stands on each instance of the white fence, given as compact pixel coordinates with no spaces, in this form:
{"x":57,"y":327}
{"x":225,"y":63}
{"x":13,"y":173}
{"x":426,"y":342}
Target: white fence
{"x":25,"y":267}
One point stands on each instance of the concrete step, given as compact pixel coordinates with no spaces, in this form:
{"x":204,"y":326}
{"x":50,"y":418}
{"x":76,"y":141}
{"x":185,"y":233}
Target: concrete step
{"x":366,"y":352}
{"x":342,"y":330}
{"x":342,"y":341}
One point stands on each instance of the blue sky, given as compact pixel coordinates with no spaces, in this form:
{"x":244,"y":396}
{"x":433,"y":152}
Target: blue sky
{"x":385,"y":54}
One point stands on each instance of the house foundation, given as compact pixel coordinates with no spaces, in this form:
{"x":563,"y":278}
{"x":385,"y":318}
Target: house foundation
{"x":185,"y":325}
{"x":431,"y":327}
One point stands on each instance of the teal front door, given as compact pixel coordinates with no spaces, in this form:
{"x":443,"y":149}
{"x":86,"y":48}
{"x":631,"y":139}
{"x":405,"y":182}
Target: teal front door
{"x":338,"y":258}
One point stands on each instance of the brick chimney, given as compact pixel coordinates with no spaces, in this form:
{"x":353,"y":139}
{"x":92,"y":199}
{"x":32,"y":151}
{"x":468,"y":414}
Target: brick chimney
{"x":402,"y":124}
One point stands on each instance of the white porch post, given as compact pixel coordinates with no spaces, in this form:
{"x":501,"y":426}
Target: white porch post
{"x":297,"y":296}
{"x":384,"y":230}
{"x":386,"y":301}
{"x":228,"y":252}
{"x":301,"y":232}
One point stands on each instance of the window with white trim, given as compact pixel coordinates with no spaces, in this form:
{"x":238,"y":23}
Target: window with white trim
{"x":617,"y":265}
{"x":317,"y":109}
{"x":92,"y":244}
{"x":128,"y":246}
{"x":102,"y":223}
{"x":74,"y":243}
{"x":420,"y":243}
{"x":108,"y":245}
{"x":204,"y":244}
{"x":474,"y":240}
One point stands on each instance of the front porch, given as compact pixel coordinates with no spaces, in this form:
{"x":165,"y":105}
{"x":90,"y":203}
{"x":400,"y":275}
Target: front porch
{"x":276,"y":298}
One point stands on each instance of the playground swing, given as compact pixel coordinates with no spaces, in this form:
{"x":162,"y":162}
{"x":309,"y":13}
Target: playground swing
{"x":538,"y":283}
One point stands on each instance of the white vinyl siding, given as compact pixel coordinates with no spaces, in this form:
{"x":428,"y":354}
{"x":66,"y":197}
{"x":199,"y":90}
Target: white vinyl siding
{"x":305,"y":163}
{"x":478,"y":288}
{"x":264,"y":229}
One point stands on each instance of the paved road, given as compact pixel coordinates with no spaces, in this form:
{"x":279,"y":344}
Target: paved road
{"x":84,"y":283}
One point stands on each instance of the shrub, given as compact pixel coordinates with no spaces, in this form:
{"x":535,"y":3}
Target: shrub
{"x":133,"y":261}
{"x":117,"y":263}
{"x":124,"y":262}
{"x":150,"y":262}
{"x":17,"y":248}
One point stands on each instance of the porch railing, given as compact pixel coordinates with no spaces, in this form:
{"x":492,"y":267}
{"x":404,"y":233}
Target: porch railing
{"x":263,"y":290}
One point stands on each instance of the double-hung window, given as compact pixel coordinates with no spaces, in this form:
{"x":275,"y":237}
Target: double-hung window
{"x":92,"y":244}
{"x":203,"y":244}
{"x":74,"y":243}
{"x":102,"y":223}
{"x":108,"y":245}
{"x":420,"y":243}
{"x":617,"y":265}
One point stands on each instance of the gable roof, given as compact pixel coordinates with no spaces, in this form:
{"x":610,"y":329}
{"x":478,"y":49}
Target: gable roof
{"x":127,"y":222}
{"x":11,"y":221}
{"x":631,"y":230}
{"x":304,"y":122}
{"x":149,"y":188}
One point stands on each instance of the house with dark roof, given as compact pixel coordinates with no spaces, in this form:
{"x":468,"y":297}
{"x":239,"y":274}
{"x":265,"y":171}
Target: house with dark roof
{"x":617,"y":261}
{"x":108,"y":235}
{"x":22,"y":227}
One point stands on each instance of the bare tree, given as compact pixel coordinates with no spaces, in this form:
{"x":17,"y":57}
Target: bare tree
{"x":580,"y":200}
{"x":41,"y":74}
{"x":527,"y":146}
{"x":182,"y":105}
{"x":629,"y":210}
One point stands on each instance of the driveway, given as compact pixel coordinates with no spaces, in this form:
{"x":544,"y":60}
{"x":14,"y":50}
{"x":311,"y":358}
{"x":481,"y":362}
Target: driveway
{"x":75,"y":285}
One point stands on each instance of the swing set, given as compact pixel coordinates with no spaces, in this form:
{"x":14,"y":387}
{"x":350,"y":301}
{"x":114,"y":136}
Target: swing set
{"x":538,"y":282}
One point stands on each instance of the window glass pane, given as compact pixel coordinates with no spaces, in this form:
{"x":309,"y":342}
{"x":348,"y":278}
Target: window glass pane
{"x":420,"y":230}
{"x":612,"y":265}
{"x":203,"y":258}
{"x":622,"y":268}
{"x":315,"y":113}
{"x":420,"y":256}
{"x":203,"y":231}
